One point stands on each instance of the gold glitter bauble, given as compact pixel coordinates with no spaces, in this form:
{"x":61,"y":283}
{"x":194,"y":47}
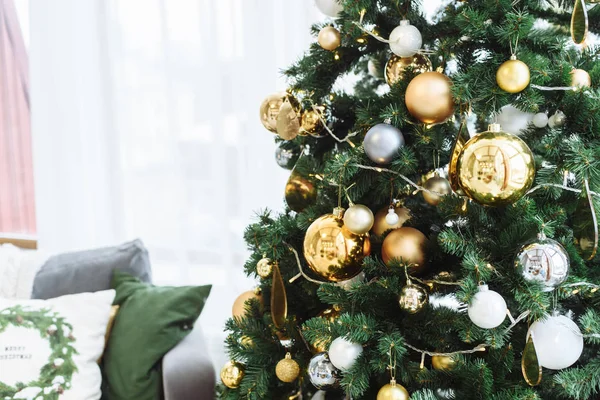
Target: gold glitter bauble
{"x":232,"y":374}
{"x":428,"y":97}
{"x":443,"y":363}
{"x":287,"y":370}
{"x":408,"y":245}
{"x":495,"y":168}
{"x":396,"y":67}
{"x":580,"y":78}
{"x":436,"y":184}
{"x":264,"y":268}
{"x":269,"y":109}
{"x":513,"y":75}
{"x":299,"y":192}
{"x":393,"y":391}
{"x":239,"y":306}
{"x":380,"y":226}
{"x":413,"y":298}
{"x":332,"y":251}
{"x":329,"y":38}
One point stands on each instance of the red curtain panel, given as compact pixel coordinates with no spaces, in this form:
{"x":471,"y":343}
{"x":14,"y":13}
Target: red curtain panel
{"x":17,"y":208}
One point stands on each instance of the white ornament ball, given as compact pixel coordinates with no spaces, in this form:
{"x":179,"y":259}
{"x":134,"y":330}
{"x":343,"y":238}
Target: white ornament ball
{"x":513,"y":120}
{"x":358,"y":219}
{"x":558,"y":342}
{"x":487,"y":309}
{"x":540,"y":120}
{"x":392,"y":218}
{"x":331,"y":8}
{"x":343,"y":353}
{"x":405,"y":40}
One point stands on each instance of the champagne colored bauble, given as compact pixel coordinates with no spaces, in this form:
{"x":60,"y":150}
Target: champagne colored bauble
{"x":440,"y":186}
{"x":358,"y":219}
{"x":344,"y":353}
{"x":557,"y":120}
{"x":232,"y":374}
{"x":540,"y":120}
{"x":429,"y":98}
{"x":413,"y":298}
{"x":331,"y":8}
{"x":495,"y":168}
{"x":329,"y":38}
{"x":288,"y":121}
{"x":287,"y":370}
{"x":408,"y":245}
{"x":580,"y":78}
{"x":543,"y":260}
{"x":513,"y":75}
{"x":322,"y":373}
{"x":239,"y":305}
{"x":558,"y":341}
{"x":443,"y":363}
{"x":487,"y":309}
{"x":269,"y":109}
{"x":332,"y":251}
{"x":286,"y":157}
{"x":299,"y":192}
{"x":396,"y":67}
{"x":264,"y":268}
{"x":393,"y":391}
{"x":405,"y":40}
{"x":382,"y":143}
{"x":382,"y":225}
{"x":312,"y":123}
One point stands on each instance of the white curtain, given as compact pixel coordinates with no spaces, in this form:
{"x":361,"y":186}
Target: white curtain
{"x":145,"y":124}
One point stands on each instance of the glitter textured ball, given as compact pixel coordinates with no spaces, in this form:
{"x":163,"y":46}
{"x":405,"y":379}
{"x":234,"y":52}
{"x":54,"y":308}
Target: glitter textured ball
{"x":405,"y":40}
{"x":287,"y":370}
{"x":413,"y":298}
{"x":429,"y":97}
{"x":513,"y":75}
{"x":396,"y":67}
{"x":382,"y":143}
{"x":358,"y":219}
{"x":408,"y":245}
{"x":264,"y":267}
{"x":543,"y":260}
{"x":329,"y":38}
{"x":322,"y":373}
{"x":232,"y":374}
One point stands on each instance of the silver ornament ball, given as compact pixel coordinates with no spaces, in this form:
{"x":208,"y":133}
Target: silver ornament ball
{"x":286,"y":158}
{"x":382,"y":143}
{"x":543,"y":260}
{"x":358,"y":219}
{"x":322,"y":374}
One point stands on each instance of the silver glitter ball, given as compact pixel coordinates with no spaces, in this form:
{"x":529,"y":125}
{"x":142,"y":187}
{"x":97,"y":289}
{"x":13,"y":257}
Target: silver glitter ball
{"x":543,"y":260}
{"x":323,"y":375}
{"x":286,"y":158}
{"x":382,"y":143}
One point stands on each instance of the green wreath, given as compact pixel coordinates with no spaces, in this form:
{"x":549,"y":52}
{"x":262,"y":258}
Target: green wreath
{"x":53,"y":327}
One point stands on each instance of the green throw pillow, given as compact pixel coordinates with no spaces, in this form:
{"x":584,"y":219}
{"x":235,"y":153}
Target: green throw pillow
{"x":150,"y":322}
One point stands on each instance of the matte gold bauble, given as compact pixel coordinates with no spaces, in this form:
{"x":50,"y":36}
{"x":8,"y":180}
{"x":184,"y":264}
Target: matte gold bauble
{"x":381,"y":226}
{"x":332,"y":251}
{"x":443,"y":363}
{"x":269,"y":109}
{"x":513,"y":75}
{"x":440,"y":186}
{"x":329,"y":38}
{"x":495,"y":168}
{"x":232,"y":374}
{"x":312,"y":123}
{"x":396,"y":67}
{"x":299,"y":192}
{"x":429,"y":98}
{"x":239,"y":306}
{"x":408,"y":245}
{"x":580,"y":78}
{"x":264,"y":268}
{"x":287,"y":370}
{"x":393,"y":391}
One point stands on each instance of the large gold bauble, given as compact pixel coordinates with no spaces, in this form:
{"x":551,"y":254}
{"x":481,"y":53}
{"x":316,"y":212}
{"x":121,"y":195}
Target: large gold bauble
{"x":329,"y":38}
{"x":396,"y":67}
{"x":495,"y":168}
{"x":440,"y":186}
{"x":513,"y":75}
{"x":332,"y":251}
{"x":580,"y":78}
{"x":380,"y":226}
{"x":287,"y":370}
{"x":232,"y":374}
{"x":393,"y":391}
{"x":269,"y":109}
{"x":299,"y":192}
{"x":429,"y":98}
{"x":408,"y":245}
{"x":264,"y":268}
{"x":239,"y":305}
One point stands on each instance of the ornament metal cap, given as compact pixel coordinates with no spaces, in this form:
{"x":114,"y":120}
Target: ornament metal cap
{"x":513,"y":57}
{"x":338,"y":212}
{"x":404,"y":22}
{"x":483,"y":288}
{"x":494,"y":128}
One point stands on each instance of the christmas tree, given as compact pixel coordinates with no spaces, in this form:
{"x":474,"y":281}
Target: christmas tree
{"x":440,"y":235}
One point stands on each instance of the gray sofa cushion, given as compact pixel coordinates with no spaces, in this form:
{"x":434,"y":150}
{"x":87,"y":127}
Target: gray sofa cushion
{"x":90,"y":270}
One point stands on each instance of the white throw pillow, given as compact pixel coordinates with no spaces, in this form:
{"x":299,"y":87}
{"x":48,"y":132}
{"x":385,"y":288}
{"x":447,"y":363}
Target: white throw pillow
{"x":50,"y":347}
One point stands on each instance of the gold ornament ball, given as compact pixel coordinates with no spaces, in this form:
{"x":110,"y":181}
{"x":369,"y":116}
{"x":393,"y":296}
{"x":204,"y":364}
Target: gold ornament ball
{"x":232,"y":374}
{"x":580,"y":78}
{"x":408,"y":245}
{"x":413,"y":298}
{"x":439,"y":185}
{"x":495,"y":168}
{"x":396,"y":67}
{"x":443,"y":363}
{"x":287,"y":370}
{"x":299,"y":192}
{"x":429,"y":98}
{"x":269,"y":109}
{"x":393,"y":391}
{"x":331,"y":314}
{"x":311,"y":123}
{"x":239,"y":306}
{"x":329,"y":38}
{"x":513,"y":75}
{"x":380,"y":225}
{"x":264,"y":268}
{"x":332,"y":251}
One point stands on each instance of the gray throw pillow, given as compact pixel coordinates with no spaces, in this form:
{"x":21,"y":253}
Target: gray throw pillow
{"x":90,"y":270}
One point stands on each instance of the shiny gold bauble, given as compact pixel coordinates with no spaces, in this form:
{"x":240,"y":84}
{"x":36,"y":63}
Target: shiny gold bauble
{"x":269,"y":109}
{"x":332,"y":251}
{"x":232,"y":374}
{"x":380,"y":226}
{"x":264,"y":268}
{"x":408,"y":245}
{"x":299,"y":192}
{"x":513,"y":75}
{"x":396,"y":67}
{"x":331,"y":314}
{"x":239,"y":306}
{"x":311,"y":123}
{"x":443,"y":363}
{"x":580,"y":78}
{"x":438,"y":185}
{"x":287,"y":370}
{"x":329,"y":38}
{"x":429,"y":98}
{"x":413,"y":298}
{"x":495,"y":168}
{"x":393,"y":391}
